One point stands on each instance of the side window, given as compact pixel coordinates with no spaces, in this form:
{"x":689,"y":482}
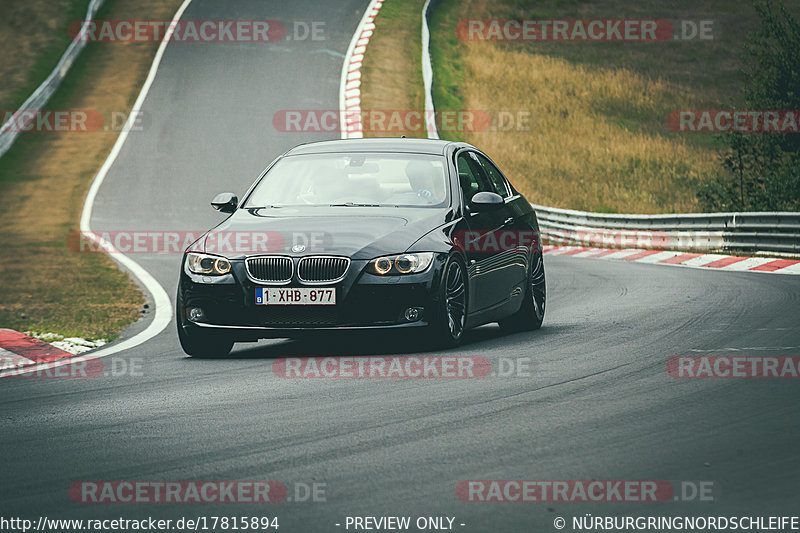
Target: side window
{"x":496,"y":179}
{"x":470,"y":176}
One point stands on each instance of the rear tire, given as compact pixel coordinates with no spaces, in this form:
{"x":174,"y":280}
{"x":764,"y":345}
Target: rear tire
{"x":447,"y":328}
{"x":201,"y":344}
{"x":531,"y":313}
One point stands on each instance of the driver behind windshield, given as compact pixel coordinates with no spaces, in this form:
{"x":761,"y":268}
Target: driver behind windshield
{"x":425,"y":180}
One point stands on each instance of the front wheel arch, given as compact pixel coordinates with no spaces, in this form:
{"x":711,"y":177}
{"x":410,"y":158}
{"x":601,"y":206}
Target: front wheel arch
{"x":452,"y":310}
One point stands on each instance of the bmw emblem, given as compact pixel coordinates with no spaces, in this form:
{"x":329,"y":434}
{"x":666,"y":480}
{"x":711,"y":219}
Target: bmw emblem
{"x":297,"y":248}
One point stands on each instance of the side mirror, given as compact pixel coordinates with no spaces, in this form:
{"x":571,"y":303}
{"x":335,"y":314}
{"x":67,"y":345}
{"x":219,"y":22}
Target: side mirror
{"x":225,"y":202}
{"x":485,"y":201}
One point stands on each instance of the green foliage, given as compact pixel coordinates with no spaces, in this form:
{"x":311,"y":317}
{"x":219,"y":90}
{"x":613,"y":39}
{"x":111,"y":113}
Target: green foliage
{"x":762,"y":170}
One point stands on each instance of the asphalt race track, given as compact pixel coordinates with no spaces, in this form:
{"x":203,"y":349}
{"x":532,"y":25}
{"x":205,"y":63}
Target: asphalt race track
{"x":597,"y":403}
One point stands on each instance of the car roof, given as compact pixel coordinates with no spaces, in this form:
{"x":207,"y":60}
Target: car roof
{"x":400,"y":145}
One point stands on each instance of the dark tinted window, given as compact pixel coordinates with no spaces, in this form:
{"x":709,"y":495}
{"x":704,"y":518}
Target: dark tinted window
{"x":470,"y":176}
{"x":497,"y":181}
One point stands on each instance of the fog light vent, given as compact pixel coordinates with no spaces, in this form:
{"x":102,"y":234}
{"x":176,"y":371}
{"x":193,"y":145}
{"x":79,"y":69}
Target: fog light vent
{"x":413,"y":314}
{"x":195,"y":314}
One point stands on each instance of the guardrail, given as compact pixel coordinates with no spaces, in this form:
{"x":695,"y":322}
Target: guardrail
{"x":8,"y":133}
{"x":777,"y":232}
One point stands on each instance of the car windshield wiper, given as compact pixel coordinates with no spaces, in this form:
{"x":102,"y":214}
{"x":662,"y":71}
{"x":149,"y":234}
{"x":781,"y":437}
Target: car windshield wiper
{"x":352,"y":204}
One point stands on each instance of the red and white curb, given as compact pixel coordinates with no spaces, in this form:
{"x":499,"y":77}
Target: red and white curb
{"x":350,"y":85}
{"x":695,"y":260}
{"x":18,"y":351}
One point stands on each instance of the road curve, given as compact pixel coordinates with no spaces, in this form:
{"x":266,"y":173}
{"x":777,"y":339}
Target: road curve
{"x":597,"y":403}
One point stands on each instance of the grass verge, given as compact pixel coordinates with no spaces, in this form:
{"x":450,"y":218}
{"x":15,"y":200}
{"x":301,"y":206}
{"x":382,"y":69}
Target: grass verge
{"x":393,"y":58}
{"x":43,"y":181}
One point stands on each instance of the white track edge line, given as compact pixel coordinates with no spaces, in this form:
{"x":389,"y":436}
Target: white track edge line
{"x":161,"y":301}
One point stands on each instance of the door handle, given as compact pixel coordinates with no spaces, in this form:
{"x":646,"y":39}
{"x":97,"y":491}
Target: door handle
{"x":509,"y":220}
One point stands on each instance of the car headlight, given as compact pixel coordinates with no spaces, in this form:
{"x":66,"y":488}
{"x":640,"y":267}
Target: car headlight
{"x":401,"y":264}
{"x":209,"y":265}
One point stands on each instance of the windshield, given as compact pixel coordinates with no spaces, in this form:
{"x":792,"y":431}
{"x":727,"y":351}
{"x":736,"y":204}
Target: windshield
{"x":353,"y":179}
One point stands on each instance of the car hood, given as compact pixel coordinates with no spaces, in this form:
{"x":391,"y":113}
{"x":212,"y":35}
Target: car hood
{"x":355,"y":232}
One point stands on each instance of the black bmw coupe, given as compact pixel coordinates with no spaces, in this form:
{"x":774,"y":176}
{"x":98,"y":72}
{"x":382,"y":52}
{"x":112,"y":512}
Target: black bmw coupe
{"x":365,"y":234}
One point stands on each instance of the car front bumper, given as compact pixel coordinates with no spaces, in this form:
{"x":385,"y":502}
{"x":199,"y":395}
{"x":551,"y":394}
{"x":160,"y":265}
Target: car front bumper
{"x":363,"y":302}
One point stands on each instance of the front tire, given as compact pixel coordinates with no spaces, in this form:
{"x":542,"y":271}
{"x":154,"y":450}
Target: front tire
{"x":447,"y":329}
{"x":531,"y":313}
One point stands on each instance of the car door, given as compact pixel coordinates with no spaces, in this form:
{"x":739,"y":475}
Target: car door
{"x":515,"y":238}
{"x":487,"y":288}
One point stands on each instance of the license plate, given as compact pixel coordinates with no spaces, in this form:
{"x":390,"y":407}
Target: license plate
{"x":290,"y":296}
